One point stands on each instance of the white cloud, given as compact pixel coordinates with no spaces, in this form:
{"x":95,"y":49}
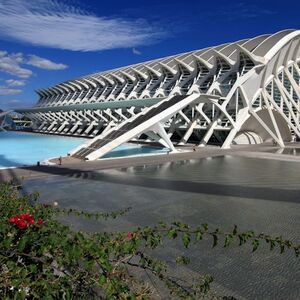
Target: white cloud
{"x":51,"y":23}
{"x":6,"y":91}
{"x":11,"y":64}
{"x":44,"y":63}
{"x":135,"y":51}
{"x":13,"y":82}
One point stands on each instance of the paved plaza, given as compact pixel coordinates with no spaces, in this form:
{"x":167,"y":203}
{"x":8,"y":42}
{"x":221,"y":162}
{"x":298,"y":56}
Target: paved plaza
{"x":257,"y":190}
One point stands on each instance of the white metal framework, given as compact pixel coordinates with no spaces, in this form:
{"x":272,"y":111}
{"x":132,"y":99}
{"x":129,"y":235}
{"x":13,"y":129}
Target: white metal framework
{"x":242,"y":92}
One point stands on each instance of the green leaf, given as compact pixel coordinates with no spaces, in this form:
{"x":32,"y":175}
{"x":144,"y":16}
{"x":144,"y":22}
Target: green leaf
{"x":205,"y":226}
{"x":205,"y":286}
{"x":228,"y":240}
{"x":255,"y":245}
{"x":142,"y":262}
{"x":22,"y":243}
{"x":20,"y":295}
{"x":89,"y":264}
{"x":7,"y":242}
{"x":172,"y":234}
{"x":183,"y":260}
{"x":162,"y":224}
{"x":199,"y":235}
{"x":102,"y":279}
{"x":272,"y":244}
{"x":242,"y":239}
{"x":33,"y":268}
{"x":186,"y":239}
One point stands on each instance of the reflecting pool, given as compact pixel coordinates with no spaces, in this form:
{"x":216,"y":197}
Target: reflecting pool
{"x":255,"y":194}
{"x":25,"y":148}
{"x":286,"y":151}
{"x":130,"y":150}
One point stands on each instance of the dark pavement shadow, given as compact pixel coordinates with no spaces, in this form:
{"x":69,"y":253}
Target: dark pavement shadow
{"x":265,"y":193}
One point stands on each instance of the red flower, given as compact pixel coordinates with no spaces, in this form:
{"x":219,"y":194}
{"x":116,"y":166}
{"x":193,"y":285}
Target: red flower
{"x":40,"y":222}
{"x":21,"y":224}
{"x":22,"y":221}
{"x":28,"y":218}
{"x":14,"y":220}
{"x":129,"y":236}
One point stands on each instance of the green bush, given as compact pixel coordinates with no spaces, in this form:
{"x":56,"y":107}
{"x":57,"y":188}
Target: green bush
{"x":40,"y":258}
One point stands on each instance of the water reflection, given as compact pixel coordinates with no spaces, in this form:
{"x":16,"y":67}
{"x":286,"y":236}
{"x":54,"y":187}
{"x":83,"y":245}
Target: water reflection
{"x":286,"y":151}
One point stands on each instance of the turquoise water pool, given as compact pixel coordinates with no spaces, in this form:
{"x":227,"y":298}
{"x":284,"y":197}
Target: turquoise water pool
{"x":134,"y":150}
{"x":23,"y":149}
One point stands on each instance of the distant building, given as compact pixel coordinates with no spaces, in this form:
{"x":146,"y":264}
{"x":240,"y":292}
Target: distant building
{"x":242,"y":92}
{"x":10,"y":120}
{"x":6,"y":121}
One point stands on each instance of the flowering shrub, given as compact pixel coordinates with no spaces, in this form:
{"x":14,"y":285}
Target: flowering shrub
{"x":130,"y":236}
{"x":43,"y":259}
{"x":22,"y":221}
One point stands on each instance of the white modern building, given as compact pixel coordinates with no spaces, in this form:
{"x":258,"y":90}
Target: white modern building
{"x":236,"y":93}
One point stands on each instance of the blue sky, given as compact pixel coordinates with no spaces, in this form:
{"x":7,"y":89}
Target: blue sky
{"x":44,"y":42}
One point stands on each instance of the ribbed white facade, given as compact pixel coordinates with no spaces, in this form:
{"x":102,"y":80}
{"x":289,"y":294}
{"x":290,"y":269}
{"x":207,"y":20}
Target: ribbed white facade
{"x":243,"y":92}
